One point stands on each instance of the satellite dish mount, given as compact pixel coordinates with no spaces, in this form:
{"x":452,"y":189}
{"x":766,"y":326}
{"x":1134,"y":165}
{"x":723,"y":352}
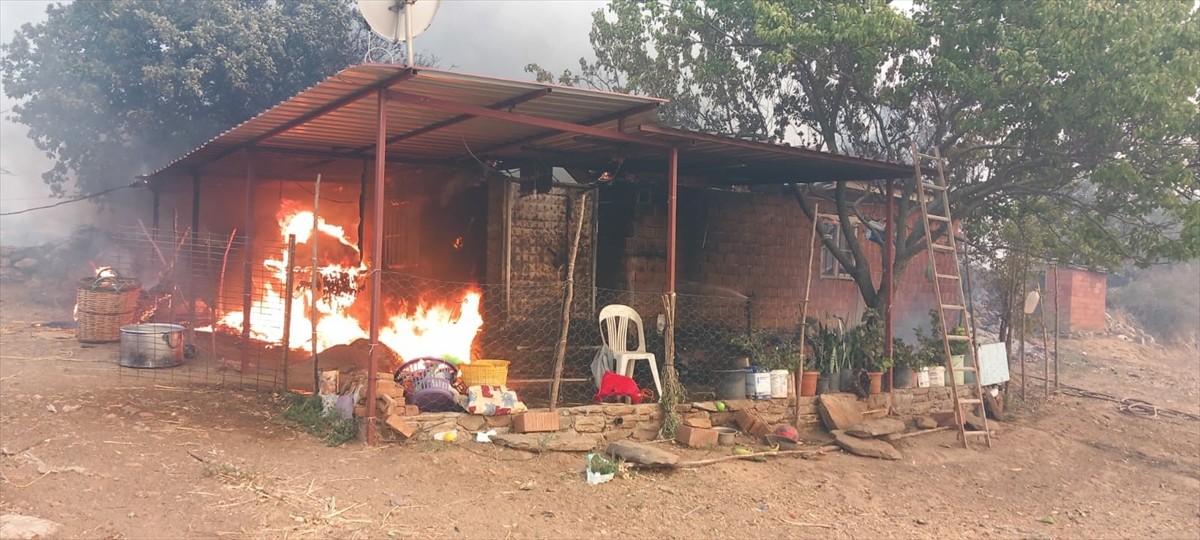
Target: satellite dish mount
{"x":399,"y":20}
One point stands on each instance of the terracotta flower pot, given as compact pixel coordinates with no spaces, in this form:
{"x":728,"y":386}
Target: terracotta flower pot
{"x":876,"y":381}
{"x":808,"y":383}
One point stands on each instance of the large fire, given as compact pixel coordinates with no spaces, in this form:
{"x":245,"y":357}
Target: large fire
{"x":422,"y":329}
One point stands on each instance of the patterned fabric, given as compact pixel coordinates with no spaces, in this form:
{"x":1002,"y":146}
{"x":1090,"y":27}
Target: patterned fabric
{"x":492,"y":401}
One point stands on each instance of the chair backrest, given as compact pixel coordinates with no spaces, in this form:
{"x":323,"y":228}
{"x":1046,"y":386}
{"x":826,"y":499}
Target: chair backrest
{"x":615,"y":319}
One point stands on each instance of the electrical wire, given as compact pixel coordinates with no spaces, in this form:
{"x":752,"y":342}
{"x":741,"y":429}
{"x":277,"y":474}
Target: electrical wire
{"x":68,"y":201}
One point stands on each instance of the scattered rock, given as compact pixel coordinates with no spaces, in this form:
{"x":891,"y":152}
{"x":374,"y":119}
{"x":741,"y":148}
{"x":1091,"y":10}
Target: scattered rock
{"x":472,"y":422}
{"x":698,"y":423}
{"x":926,"y":422}
{"x":16,"y":526}
{"x":707,"y":406}
{"x":51,"y":408}
{"x":839,"y":411}
{"x":642,"y":453}
{"x":527,"y":486}
{"x":876,"y":427}
{"x":865,"y":447}
{"x":547,"y":442}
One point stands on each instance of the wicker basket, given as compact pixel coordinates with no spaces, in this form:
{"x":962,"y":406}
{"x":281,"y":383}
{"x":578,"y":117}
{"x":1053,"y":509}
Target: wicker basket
{"x":105,"y":305}
{"x":485,"y":373}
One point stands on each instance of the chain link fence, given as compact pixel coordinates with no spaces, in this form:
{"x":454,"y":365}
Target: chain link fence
{"x":199,"y":282}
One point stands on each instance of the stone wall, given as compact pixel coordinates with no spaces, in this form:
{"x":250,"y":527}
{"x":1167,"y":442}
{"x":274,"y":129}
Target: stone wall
{"x":615,"y":421}
{"x":919,"y":401}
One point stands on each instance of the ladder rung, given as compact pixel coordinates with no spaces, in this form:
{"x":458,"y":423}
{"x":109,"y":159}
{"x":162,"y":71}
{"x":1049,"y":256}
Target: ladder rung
{"x":977,"y":433}
{"x":948,"y":276}
{"x":959,"y":307}
{"x":931,"y":185}
{"x":964,"y":369}
{"x":969,"y":401}
{"x":942,"y":247}
{"x":936,"y":217}
{"x":953,"y":337}
{"x":926,"y":156}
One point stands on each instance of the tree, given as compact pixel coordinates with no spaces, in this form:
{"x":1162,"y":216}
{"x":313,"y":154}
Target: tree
{"x":1079,"y":113}
{"x":111,"y":89}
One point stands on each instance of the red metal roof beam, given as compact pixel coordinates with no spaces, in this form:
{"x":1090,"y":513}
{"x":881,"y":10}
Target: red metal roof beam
{"x":322,"y":111}
{"x":517,"y":118}
{"x":619,"y":115}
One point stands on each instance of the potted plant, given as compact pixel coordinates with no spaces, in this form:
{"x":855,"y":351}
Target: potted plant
{"x":773,"y":351}
{"x":865,"y":343}
{"x":875,"y":372}
{"x":828,"y":355}
{"x":932,"y":352}
{"x":906,"y":364}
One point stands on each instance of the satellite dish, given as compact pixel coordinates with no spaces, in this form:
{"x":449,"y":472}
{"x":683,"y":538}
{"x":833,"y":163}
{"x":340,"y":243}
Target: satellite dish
{"x":398,"y":20}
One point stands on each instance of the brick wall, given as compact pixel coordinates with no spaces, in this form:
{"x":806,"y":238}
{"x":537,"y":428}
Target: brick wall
{"x":1081,"y":299}
{"x":735,"y":245}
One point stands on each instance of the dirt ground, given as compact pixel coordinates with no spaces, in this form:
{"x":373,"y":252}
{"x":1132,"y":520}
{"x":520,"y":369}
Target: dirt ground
{"x":110,"y":455}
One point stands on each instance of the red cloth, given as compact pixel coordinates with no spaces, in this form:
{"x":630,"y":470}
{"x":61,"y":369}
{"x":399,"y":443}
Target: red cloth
{"x":614,"y":386}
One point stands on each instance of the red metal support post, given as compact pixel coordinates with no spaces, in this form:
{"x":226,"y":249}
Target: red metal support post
{"x":376,"y":257}
{"x":248,"y":259}
{"x":672,"y":207}
{"x":889,"y":252}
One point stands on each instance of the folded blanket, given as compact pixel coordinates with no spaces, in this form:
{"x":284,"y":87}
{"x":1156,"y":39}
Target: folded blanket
{"x":492,"y":401}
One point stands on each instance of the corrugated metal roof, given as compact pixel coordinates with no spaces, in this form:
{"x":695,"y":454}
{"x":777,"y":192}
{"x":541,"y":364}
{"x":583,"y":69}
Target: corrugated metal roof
{"x":337,"y":118}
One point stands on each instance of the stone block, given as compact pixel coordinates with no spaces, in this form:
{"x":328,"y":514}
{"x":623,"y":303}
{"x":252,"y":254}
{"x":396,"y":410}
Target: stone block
{"x":840,"y":410}
{"x":696,"y":437}
{"x":589,"y":424}
{"x":472,"y":422}
{"x":736,"y":405}
{"x":401,"y":427}
{"x":698,"y":422}
{"x":502,"y":421}
{"x":536,"y":421}
{"x":618,"y":410}
{"x":722,"y":419}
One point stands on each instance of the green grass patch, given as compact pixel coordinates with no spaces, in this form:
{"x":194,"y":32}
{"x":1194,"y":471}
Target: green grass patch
{"x":306,"y":412}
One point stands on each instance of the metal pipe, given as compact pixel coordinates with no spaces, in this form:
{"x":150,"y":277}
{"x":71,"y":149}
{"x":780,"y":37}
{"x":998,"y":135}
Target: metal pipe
{"x":1054,"y":267}
{"x":314,"y":287}
{"x":288,"y":291}
{"x":672,"y":208}
{"x":889,"y":248}
{"x":248,"y":257}
{"x":376,"y":256}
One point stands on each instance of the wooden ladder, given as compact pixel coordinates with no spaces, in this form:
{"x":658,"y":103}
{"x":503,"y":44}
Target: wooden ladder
{"x":950,"y":278}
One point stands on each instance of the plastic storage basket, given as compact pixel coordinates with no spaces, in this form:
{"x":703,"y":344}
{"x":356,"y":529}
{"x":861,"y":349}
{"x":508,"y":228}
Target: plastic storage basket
{"x":485,"y":373}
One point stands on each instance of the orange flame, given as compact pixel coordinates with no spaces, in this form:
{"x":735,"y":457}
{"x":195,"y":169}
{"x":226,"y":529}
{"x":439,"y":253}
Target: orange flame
{"x":424,"y":329}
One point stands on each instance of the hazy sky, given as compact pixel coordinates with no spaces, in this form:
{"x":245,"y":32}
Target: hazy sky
{"x":487,"y":37}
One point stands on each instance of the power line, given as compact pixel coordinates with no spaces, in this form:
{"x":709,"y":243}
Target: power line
{"x":68,"y":201}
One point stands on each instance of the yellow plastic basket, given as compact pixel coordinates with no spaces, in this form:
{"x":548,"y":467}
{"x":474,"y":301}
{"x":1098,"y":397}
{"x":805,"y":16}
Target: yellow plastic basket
{"x":485,"y":373}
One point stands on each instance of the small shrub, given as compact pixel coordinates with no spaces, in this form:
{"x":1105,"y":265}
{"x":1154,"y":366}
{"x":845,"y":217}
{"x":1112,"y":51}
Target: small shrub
{"x":307,"y":412}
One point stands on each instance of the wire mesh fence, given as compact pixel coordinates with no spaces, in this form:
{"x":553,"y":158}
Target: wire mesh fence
{"x":220,"y":313}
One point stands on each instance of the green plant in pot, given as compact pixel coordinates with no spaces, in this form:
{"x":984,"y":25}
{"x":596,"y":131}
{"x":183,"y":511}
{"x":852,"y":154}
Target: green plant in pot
{"x":774,"y":351}
{"x":907,"y":363}
{"x":827,"y":343}
{"x":865,"y":343}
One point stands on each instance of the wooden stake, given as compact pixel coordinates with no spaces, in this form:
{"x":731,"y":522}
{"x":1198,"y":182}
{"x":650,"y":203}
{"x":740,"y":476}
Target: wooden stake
{"x":313,"y":290}
{"x":812,"y":247}
{"x":1021,"y":302}
{"x":1054,"y":267}
{"x":288,"y":287}
{"x":216,"y":307}
{"x":560,"y":353}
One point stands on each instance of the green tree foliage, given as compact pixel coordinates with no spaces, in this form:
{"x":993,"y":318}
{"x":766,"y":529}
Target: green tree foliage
{"x":1078,"y":114}
{"x":110,"y":89}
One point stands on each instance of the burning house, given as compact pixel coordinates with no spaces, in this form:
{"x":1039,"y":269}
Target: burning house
{"x":437,"y":209}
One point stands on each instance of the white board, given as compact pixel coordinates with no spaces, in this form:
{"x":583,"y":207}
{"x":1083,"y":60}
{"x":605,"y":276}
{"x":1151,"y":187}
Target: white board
{"x":993,"y":364}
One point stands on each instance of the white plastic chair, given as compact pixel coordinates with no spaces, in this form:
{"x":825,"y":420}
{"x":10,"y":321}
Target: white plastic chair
{"x":614,"y":330}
